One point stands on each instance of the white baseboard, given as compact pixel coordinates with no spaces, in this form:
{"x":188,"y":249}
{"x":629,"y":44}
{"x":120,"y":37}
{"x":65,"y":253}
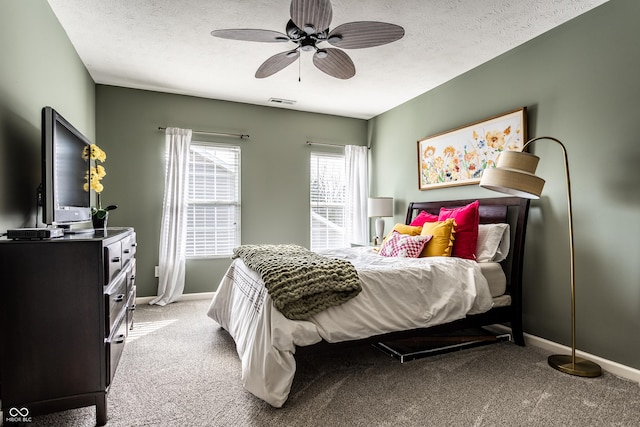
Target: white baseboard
{"x":612,"y":367}
{"x":184,"y":297}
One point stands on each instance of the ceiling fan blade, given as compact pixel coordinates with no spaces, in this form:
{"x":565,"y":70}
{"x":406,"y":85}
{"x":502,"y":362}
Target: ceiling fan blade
{"x":251,"y":35}
{"x":361,"y":34}
{"x":276,"y":63}
{"x":311,"y":16}
{"x":336,"y":63}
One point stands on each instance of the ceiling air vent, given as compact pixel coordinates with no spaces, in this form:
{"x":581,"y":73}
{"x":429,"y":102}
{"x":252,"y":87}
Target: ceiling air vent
{"x":281,"y":101}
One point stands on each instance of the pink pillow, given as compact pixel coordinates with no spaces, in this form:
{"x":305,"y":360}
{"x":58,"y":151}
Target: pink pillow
{"x":423,"y":217}
{"x":403,"y":245}
{"x":467,"y":219}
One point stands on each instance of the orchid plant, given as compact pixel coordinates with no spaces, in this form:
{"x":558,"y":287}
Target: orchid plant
{"x":94,"y":178}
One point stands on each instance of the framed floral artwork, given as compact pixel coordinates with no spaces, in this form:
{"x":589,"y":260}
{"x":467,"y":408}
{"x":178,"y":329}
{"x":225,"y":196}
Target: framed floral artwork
{"x":458,"y":156}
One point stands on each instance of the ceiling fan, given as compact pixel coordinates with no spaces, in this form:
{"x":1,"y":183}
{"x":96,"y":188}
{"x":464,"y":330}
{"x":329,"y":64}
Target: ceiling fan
{"x":309,"y":27}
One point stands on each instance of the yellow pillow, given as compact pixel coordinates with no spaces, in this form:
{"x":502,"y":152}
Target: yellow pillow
{"x":407,"y":229}
{"x":442,"y":240}
{"x":403,"y":229}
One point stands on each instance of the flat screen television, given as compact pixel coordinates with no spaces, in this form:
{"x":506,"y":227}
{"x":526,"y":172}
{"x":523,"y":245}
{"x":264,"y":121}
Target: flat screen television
{"x":66,"y":201}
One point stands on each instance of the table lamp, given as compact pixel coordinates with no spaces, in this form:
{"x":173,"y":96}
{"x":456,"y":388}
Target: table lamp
{"x":379,"y":207}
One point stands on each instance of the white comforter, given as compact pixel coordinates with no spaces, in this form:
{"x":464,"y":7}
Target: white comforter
{"x":397,"y":294}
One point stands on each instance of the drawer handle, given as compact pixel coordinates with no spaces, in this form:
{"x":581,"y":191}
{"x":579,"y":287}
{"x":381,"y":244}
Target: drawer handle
{"x":132,"y":307}
{"x":118,"y":298}
{"x":126,"y":251}
{"x":133,"y":277}
{"x":133,"y":245}
{"x":115,"y":259}
{"x":119,"y":339}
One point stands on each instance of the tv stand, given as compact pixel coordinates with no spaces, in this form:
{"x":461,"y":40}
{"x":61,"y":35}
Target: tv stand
{"x":66,"y":306}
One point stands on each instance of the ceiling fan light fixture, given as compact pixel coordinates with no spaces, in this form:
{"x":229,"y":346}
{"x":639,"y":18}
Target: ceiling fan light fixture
{"x":309,"y":25}
{"x":307,"y":44}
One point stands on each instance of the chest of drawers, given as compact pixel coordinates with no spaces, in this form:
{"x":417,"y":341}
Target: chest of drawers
{"x":66,"y":306}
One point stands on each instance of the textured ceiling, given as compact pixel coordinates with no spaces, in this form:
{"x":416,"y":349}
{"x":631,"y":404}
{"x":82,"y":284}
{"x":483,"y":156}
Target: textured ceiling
{"x":165,"y":45}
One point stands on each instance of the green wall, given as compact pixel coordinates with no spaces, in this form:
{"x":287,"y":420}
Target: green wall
{"x":274,"y":168}
{"x":580,"y":83}
{"x":39,"y":68}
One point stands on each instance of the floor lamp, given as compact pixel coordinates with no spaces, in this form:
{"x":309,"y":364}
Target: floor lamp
{"x":515,"y":174}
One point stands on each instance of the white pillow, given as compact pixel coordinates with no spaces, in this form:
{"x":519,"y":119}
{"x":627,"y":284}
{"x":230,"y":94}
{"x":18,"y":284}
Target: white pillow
{"x":493,"y":242}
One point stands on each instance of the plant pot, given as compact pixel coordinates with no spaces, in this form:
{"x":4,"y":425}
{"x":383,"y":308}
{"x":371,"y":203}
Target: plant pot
{"x":100,"y":224}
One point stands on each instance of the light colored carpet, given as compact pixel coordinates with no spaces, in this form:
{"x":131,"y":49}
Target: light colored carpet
{"x":179,"y":368}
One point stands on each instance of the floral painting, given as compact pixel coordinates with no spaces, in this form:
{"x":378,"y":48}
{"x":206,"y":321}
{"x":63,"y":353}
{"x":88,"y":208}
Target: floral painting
{"x":459,"y":156}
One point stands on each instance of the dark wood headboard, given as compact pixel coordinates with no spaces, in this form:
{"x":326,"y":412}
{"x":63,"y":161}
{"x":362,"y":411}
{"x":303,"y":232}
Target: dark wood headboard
{"x":512,"y":210}
{"x":493,"y":210}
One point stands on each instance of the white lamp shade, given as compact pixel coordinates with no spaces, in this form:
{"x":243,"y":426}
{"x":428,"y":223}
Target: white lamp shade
{"x":514,"y":174}
{"x":380,"y":206}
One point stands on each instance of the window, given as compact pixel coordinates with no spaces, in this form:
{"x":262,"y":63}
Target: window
{"x":328,"y":201}
{"x":213,"y":200}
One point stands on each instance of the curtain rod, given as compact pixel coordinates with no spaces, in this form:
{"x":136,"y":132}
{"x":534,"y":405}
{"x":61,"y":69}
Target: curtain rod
{"x":202,"y":132}
{"x":326,"y":144}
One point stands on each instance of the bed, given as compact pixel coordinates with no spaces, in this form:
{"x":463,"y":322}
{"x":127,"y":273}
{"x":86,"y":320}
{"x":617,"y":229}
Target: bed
{"x":399,"y":297}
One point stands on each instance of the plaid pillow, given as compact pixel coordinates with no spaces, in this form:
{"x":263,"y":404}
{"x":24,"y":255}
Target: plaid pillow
{"x":403,"y":245}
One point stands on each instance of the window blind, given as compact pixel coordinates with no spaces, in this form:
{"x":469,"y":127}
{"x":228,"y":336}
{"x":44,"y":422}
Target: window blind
{"x":213,"y":200}
{"x":328,"y":201}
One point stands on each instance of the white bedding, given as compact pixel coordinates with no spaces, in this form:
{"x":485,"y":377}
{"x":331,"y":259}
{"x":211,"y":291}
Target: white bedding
{"x":493,"y":272}
{"x":398,"y":294}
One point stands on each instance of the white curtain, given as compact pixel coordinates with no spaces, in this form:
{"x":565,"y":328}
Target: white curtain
{"x":174,"y":219}
{"x":357,"y":223}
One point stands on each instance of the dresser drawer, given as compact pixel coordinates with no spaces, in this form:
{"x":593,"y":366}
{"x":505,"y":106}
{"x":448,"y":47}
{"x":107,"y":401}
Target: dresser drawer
{"x":112,"y":260}
{"x":115,"y":299}
{"x":131,"y":307}
{"x":128,"y":248}
{"x":131,"y":275}
{"x":114,"y":346}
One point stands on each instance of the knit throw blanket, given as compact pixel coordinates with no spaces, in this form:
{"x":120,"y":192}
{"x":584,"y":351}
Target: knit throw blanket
{"x":301,"y":283}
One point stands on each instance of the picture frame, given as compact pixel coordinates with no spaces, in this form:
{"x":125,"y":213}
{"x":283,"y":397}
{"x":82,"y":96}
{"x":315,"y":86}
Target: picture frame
{"x":459,"y":156}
